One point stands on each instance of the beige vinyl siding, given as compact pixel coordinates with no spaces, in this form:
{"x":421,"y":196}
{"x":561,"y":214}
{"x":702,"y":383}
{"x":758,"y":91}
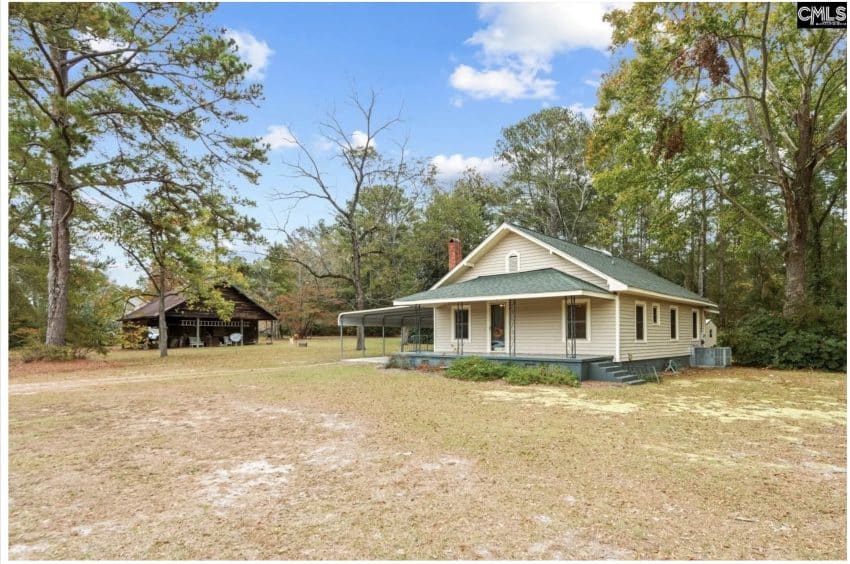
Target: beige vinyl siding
{"x":658,"y":343}
{"x":532,"y":256}
{"x":539,"y":328}
{"x":443,"y":321}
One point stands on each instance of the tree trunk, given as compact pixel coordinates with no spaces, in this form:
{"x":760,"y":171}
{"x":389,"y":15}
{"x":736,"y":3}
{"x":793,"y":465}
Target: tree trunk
{"x":163,"y":326}
{"x":703,"y":244}
{"x":795,"y":264}
{"x":62,"y":204}
{"x":797,"y":193}
{"x":59,"y":267}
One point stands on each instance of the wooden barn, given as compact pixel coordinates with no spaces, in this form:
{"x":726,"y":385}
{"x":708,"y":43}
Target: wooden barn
{"x":203,"y":328}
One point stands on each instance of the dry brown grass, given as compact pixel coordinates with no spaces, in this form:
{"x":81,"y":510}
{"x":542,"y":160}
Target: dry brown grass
{"x":280,"y":454}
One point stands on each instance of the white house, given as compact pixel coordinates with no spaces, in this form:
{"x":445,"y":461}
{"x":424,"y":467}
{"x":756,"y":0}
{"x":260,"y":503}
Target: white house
{"x":527,"y":296}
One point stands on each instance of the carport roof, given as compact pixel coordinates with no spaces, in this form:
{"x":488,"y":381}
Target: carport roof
{"x":394,"y":316}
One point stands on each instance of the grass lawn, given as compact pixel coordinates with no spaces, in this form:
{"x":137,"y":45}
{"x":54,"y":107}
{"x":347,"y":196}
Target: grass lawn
{"x":282,"y":452}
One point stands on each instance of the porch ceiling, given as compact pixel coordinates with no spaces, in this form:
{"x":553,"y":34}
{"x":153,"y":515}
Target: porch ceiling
{"x":544,"y":283}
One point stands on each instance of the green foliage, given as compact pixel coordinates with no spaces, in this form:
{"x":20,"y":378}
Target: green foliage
{"x":469,"y":210}
{"x":546,"y":156}
{"x":134,"y":337}
{"x":40,"y":352}
{"x":478,"y":369}
{"x":768,"y":339}
{"x":110,"y":101}
{"x":543,"y":374}
{"x":711,"y":148}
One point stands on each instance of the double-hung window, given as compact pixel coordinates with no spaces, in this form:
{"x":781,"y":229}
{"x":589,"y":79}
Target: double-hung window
{"x":461,"y":323}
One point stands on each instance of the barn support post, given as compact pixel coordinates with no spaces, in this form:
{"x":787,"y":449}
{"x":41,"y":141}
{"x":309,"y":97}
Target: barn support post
{"x":198,"y":329}
{"x":242,"y":332}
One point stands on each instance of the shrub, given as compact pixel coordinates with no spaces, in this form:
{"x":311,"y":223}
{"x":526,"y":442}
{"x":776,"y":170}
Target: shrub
{"x":40,"y":352}
{"x":134,"y":337}
{"x":550,"y":375}
{"x":476,"y":369}
{"x":815,"y":341}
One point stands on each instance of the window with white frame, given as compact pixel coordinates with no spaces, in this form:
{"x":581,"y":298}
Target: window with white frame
{"x":460,"y":327}
{"x":640,"y":321}
{"x":512,"y":262}
{"x":577,"y":314}
{"x":674,"y":320}
{"x":695,"y":324}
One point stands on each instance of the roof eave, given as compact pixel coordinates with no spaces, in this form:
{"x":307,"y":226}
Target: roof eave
{"x":503,"y":297}
{"x":669,"y":297}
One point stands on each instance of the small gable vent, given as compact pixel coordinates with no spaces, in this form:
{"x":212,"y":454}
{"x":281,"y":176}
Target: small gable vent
{"x":513,"y":262}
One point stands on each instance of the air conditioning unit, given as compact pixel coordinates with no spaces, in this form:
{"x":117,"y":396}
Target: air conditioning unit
{"x":711,"y":357}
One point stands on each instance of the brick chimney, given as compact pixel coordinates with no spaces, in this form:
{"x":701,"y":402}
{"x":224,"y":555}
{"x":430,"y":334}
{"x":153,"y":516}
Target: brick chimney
{"x":455,"y":252}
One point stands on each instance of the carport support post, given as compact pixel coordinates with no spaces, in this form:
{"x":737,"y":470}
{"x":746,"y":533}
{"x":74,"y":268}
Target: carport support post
{"x":383,"y":337}
{"x":363,"y":328}
{"x":341,"y":350}
{"x":242,"y":332}
{"x":198,"y":329}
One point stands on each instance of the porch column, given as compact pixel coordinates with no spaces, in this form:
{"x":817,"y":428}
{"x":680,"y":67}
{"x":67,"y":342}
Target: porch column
{"x":570,"y":326}
{"x":418,"y":329}
{"x":511,"y":328}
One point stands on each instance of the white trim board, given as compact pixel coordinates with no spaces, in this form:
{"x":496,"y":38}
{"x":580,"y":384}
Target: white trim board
{"x":509,"y":297}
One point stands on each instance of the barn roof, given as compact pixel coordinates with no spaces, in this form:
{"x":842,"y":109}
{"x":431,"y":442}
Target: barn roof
{"x":174,"y":300}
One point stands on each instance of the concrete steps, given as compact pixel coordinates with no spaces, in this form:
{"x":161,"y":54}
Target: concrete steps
{"x":611,"y":371}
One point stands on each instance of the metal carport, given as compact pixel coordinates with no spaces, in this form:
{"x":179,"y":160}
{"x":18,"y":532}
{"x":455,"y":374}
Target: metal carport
{"x":413,"y":316}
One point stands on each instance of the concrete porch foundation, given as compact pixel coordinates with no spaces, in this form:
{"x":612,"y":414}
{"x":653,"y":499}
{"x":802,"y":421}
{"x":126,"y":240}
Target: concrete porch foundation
{"x":580,"y":366}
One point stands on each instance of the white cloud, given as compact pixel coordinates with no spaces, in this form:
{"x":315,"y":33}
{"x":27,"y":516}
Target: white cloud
{"x":587,"y":111}
{"x":451,"y":167}
{"x":519,"y":41}
{"x":593,"y":83}
{"x":505,"y":84}
{"x":252,"y":51}
{"x":279,"y":137}
{"x":104,"y":44}
{"x":323,"y":144}
{"x":359,"y":138}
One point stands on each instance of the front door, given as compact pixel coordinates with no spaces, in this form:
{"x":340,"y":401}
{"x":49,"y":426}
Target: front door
{"x":498,"y":335}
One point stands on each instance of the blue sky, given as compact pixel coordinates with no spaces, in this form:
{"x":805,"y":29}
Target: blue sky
{"x":458,"y":73}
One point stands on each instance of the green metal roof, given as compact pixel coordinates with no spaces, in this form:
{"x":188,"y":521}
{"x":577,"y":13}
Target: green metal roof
{"x":547,"y":280}
{"x":620,"y":269}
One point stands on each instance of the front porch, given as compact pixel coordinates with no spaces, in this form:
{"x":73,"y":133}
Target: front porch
{"x":585,"y":367}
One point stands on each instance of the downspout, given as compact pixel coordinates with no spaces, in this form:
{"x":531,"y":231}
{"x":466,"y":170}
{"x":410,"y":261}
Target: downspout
{"x":617,"y":327}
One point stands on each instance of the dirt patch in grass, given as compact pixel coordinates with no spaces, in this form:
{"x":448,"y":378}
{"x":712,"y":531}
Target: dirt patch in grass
{"x":295,"y":461}
{"x":24,"y":370}
{"x":561,"y":397}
